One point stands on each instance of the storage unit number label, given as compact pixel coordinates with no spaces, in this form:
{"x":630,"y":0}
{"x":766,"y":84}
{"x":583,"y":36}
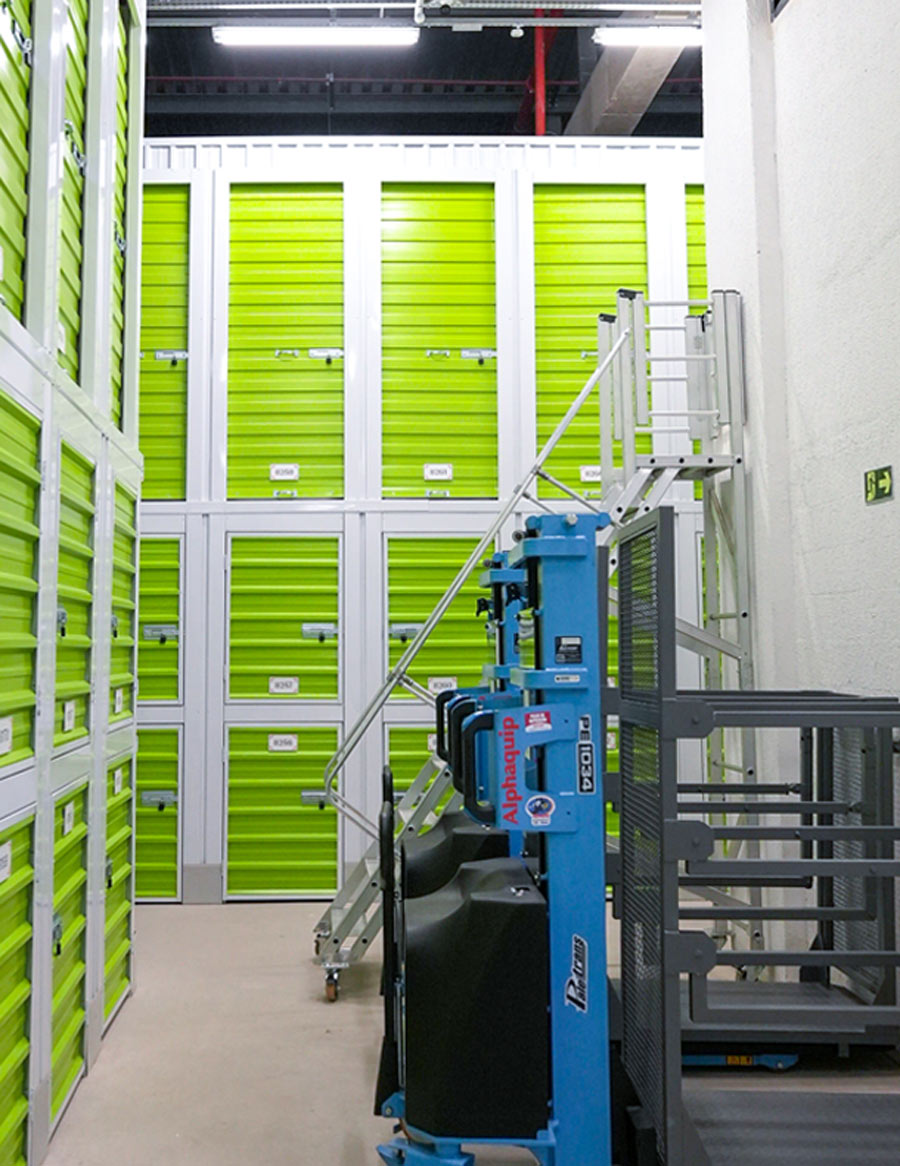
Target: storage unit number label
{"x":6,"y":735}
{"x":282,"y":742}
{"x":68,"y":821}
{"x":5,"y":861}
{"x":68,"y":716}
{"x":284,"y":685}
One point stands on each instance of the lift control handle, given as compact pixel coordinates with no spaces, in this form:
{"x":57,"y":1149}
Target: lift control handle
{"x":459,"y":710}
{"x":478,"y":723}
{"x":440,"y":707}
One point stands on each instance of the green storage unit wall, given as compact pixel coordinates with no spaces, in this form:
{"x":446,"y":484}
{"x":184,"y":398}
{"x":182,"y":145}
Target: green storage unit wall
{"x":419,"y":572}
{"x":70,"y":858}
{"x":589,"y":241}
{"x":157,"y":853}
{"x":72,"y":210}
{"x":20,"y":484}
{"x":160,"y":605}
{"x":119,"y":883}
{"x":124,"y":607}
{"x":276,"y":846}
{"x":283,"y":618}
{"x":16,"y":893}
{"x":695,"y":213}
{"x":75,"y":564}
{"x":409,"y":747}
{"x":119,"y":216}
{"x":15,"y":88}
{"x":439,"y":367}
{"x":164,"y":340}
{"x":285,"y":342}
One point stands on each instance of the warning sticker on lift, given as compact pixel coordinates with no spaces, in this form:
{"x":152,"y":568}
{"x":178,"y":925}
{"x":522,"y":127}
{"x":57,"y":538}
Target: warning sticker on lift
{"x":587,"y":763}
{"x":568,"y":650}
{"x":538,"y":722}
{"x":540,"y":809}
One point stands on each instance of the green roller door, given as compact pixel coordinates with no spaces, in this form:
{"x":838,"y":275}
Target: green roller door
{"x":156,"y":814}
{"x":164,"y":340}
{"x":276,"y":845}
{"x":419,"y":572}
{"x":122,"y":644}
{"x":695,"y":212}
{"x":439,"y":374}
{"x":70,"y":855}
{"x":72,"y":210}
{"x":119,"y":889}
{"x":160,"y":589}
{"x":283,"y":620}
{"x":15,"y":84}
{"x":75,"y":566}
{"x":119,"y":216}
{"x":16,"y":888}
{"x":408,"y":750}
{"x":589,"y":241}
{"x":285,"y":342}
{"x":20,"y":483}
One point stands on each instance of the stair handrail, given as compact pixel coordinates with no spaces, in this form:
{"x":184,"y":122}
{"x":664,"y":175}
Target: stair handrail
{"x":396,"y":674}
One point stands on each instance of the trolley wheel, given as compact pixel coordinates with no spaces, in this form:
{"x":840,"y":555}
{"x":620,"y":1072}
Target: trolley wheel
{"x":331,"y":987}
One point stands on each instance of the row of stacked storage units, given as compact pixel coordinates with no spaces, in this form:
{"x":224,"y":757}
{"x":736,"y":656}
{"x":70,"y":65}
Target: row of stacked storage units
{"x":69,"y":511}
{"x":339,"y":379}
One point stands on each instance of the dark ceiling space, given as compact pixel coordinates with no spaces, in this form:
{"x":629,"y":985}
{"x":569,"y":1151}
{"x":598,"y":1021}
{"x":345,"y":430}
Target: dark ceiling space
{"x":472,"y":83}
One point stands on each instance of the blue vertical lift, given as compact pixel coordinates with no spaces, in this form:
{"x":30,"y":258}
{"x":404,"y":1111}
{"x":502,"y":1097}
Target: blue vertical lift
{"x":495,"y":983}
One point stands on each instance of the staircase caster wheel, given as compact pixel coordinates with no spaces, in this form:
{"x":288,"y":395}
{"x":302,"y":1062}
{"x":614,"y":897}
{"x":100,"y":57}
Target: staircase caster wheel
{"x":331,"y":988}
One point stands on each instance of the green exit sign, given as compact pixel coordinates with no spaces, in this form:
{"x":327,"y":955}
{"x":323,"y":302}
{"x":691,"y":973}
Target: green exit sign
{"x":879,"y":484}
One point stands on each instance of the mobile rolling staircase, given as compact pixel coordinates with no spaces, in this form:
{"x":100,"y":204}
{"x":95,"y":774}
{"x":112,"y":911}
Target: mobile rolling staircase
{"x":672,"y":371}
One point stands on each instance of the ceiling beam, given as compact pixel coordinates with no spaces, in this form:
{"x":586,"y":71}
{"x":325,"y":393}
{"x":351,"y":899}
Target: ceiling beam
{"x":621,"y":89}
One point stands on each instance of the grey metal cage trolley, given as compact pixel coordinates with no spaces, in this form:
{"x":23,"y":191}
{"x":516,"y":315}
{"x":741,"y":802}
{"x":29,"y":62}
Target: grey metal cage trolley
{"x":838,"y":873}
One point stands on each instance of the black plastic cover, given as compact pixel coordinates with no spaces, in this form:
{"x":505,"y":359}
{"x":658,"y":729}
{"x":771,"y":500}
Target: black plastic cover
{"x":430,"y":860}
{"x":477,"y":994}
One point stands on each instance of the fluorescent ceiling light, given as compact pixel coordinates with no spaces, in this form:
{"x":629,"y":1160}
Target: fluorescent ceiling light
{"x":313,"y":36}
{"x":649,"y":35}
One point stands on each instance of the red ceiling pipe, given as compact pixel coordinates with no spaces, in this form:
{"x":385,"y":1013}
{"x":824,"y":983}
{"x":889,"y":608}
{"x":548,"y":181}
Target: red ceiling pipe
{"x":540,"y":79}
{"x":526,"y":118}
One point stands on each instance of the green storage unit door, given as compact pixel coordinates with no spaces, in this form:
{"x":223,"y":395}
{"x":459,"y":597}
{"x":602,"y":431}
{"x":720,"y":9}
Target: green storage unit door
{"x":15,"y":86}
{"x":122,"y":644}
{"x":118,"y":228}
{"x":439,"y":365}
{"x":276,"y":846}
{"x":70,"y":856}
{"x":285,"y":342}
{"x":695,"y":211}
{"x":419,"y":572}
{"x":119,"y":883}
{"x":409,"y":747}
{"x":156,"y":814}
{"x":72,"y":210}
{"x":160,"y":605}
{"x":283,"y":623}
{"x":20,"y":484}
{"x":16,"y":890}
{"x":75,"y":565}
{"x":589,"y":241}
{"x":164,"y":340}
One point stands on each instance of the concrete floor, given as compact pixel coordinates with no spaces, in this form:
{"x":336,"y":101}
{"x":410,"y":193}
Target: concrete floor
{"x":228,"y":1055}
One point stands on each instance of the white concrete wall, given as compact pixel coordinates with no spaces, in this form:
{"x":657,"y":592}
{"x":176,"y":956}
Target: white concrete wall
{"x":803,"y":207}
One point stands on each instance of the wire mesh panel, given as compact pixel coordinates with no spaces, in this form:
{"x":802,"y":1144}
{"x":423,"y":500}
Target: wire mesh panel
{"x":651,"y":1043}
{"x":643,"y":996}
{"x":853,"y":784}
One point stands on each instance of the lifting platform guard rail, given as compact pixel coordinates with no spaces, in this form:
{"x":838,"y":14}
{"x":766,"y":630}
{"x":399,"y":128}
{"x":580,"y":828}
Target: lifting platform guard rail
{"x":655,"y":364}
